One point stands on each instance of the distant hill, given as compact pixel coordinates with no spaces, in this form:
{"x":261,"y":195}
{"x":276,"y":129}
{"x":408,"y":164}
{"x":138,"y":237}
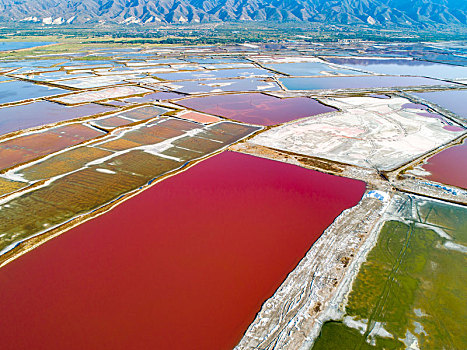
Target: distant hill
{"x":373,"y":12}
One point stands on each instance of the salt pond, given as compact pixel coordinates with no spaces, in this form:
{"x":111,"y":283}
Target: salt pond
{"x":448,"y":166}
{"x":39,"y":113}
{"x":257,"y":108}
{"x":310,"y":69}
{"x":369,"y":132}
{"x":221,"y":85}
{"x":364,"y":82}
{"x":13,"y":91}
{"x":216,"y":74}
{"x":404,"y":67}
{"x":19,"y":45}
{"x":452,"y":100}
{"x":174,"y":267}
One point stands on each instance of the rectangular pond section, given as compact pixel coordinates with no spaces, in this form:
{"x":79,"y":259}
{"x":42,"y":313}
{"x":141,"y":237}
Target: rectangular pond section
{"x":39,"y":113}
{"x":404,"y":67}
{"x":29,"y":147}
{"x":365,"y":82}
{"x":222,"y":85}
{"x":185,"y":264}
{"x":452,"y":100}
{"x":21,"y":45}
{"x":310,"y":69}
{"x":99,"y":95}
{"x":216,"y":74}
{"x":448,"y":166}
{"x":13,"y":91}
{"x":370,"y":132}
{"x":257,"y":108}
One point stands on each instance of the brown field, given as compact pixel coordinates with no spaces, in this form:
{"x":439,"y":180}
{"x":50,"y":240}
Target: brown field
{"x":111,"y":122}
{"x":27,"y":148}
{"x":8,"y":186}
{"x":63,"y":163}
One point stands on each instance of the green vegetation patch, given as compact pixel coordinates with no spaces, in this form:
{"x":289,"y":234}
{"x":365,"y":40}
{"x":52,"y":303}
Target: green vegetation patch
{"x":412,"y":287}
{"x":336,"y":335}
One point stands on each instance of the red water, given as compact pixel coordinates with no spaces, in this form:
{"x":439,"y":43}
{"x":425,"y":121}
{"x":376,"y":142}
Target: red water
{"x":449,"y":166}
{"x":184,"y":265}
{"x":257,"y":108}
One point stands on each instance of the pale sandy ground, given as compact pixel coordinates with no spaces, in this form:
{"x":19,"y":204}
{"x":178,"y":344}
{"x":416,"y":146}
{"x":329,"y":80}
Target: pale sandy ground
{"x":368,"y":132}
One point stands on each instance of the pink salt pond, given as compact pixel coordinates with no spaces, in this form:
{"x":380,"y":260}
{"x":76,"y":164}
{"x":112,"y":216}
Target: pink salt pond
{"x":256,"y":108}
{"x":199,"y":117}
{"x":186,"y":264}
{"x":449,"y":166}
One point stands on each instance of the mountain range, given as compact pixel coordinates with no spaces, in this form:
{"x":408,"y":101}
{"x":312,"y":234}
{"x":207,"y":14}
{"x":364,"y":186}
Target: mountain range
{"x":384,"y":13}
